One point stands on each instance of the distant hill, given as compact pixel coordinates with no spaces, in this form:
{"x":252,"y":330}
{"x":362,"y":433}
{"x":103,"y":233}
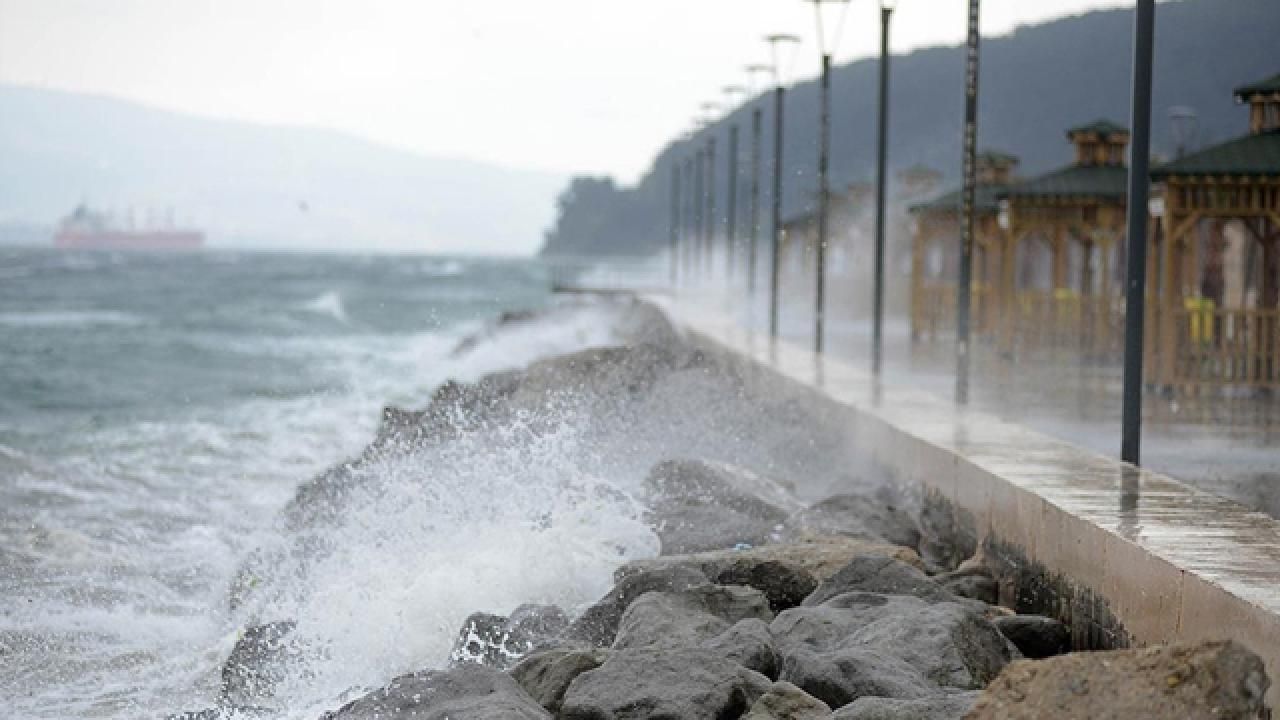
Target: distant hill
{"x":1036,"y":82}
{"x":254,"y":185}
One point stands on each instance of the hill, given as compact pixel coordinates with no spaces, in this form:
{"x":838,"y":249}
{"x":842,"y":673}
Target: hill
{"x":255,"y":185}
{"x":1035,"y":83}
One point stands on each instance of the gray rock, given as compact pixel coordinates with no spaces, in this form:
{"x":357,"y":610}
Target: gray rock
{"x":881,"y":517}
{"x":973,"y":586}
{"x":501,"y":642}
{"x":465,"y":692}
{"x":866,"y":644}
{"x":878,"y":574}
{"x":687,"y":618}
{"x":1035,"y":636}
{"x":677,"y":684}
{"x":547,"y":675}
{"x":257,"y":663}
{"x":598,"y":625}
{"x":748,"y":643}
{"x":785,"y":701}
{"x":938,"y":707}
{"x":785,"y":585}
{"x":697,"y":506}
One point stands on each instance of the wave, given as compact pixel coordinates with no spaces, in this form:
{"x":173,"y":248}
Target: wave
{"x":329,"y":304}
{"x":69,"y":318}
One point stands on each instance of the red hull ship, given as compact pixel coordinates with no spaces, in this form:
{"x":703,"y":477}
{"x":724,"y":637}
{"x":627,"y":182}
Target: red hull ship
{"x":85,"y":229}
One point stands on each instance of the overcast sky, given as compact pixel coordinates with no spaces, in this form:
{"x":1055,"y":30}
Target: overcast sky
{"x":564,"y":85}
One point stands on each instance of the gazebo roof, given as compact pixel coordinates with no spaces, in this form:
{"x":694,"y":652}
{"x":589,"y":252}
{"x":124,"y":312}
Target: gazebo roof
{"x":1255,"y":154}
{"x":1099,"y":182}
{"x":1264,"y":87}
{"x":986,"y":199}
{"x":1101,"y":128}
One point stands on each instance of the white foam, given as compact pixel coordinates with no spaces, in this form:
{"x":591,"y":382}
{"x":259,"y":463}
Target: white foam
{"x":328,"y":303}
{"x":69,"y":318}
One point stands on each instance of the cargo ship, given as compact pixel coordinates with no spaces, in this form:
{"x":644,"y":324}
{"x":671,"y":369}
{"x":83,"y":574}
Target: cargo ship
{"x":86,"y":229}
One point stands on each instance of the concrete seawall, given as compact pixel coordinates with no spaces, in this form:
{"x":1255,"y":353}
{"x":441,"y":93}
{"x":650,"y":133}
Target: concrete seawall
{"x":1124,"y":555}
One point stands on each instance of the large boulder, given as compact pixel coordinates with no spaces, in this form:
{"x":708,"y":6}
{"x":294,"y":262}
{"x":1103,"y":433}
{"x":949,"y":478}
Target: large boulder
{"x":547,"y":675}
{"x":501,"y":642}
{"x":748,"y":643}
{"x":1035,"y":636}
{"x":687,"y":618}
{"x":465,"y":692}
{"x":697,"y":506}
{"x":952,"y":706}
{"x":597,"y":626}
{"x":257,"y":663}
{"x":898,"y":646}
{"x":785,"y":573}
{"x":878,"y":517}
{"x":878,"y":574}
{"x":785,"y":701}
{"x":666,"y":684}
{"x":1218,"y":681}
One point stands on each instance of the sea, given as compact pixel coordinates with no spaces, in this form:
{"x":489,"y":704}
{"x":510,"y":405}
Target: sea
{"x":158,"y":410}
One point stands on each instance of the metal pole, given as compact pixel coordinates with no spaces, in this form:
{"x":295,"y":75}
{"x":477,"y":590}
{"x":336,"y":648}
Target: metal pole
{"x":757,"y":117}
{"x":1135,"y":295}
{"x":775,"y":249}
{"x":732,"y":209}
{"x":690,"y":230}
{"x":713,"y":222}
{"x":964,"y":286}
{"x":699,"y":205}
{"x":882,"y":152}
{"x":824,"y":150}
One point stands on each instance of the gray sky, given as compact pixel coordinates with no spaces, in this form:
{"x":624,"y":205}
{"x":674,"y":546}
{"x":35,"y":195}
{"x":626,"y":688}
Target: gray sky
{"x":563,"y":85}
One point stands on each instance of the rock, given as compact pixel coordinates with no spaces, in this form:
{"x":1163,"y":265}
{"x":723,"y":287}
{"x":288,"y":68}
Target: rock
{"x":687,"y":618}
{"x":1035,"y":636}
{"x":878,"y":574}
{"x":546,"y":675}
{"x":785,"y":701}
{"x":598,"y":625}
{"x":256,"y":663}
{"x":938,"y":707}
{"x":670,"y":684}
{"x":866,"y":644}
{"x":786,"y":573}
{"x":501,"y":642}
{"x":748,"y":643}
{"x":881,"y":517}
{"x":1218,"y":680}
{"x":465,"y":692}
{"x":975,"y":587}
{"x":697,"y":506}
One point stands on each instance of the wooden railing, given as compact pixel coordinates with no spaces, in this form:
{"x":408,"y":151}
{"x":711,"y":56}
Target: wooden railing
{"x":1226,"y":347}
{"x":933,"y":310}
{"x":1064,"y":320}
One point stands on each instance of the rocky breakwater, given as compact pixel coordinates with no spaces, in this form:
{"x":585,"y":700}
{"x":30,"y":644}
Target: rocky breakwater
{"x":757,"y":604}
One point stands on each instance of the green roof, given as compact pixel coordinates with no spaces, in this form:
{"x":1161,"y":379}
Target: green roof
{"x":986,"y":199}
{"x":1257,"y":154}
{"x":1102,"y":128}
{"x":1102,"y":182}
{"x":1270,"y":85}
{"x":997,"y":158}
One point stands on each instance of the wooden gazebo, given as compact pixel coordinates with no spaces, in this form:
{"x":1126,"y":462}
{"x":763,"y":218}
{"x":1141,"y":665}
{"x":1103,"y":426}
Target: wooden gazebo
{"x":935,"y":252}
{"x":1063,"y":248}
{"x":1214,"y":268}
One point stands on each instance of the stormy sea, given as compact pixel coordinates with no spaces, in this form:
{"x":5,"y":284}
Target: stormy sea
{"x":192,"y":446}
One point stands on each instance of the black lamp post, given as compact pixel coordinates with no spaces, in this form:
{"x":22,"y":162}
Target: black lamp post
{"x":882,"y":152}
{"x":775,"y":240}
{"x":731,"y":237}
{"x":757,"y":129}
{"x":964,"y":286}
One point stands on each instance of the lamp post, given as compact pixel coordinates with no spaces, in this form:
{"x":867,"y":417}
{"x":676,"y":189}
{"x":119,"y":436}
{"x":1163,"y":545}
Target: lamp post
{"x":757,"y":127}
{"x":964,"y":286}
{"x":674,"y":250}
{"x":779,"y":98}
{"x":882,"y":152}
{"x":731,"y":238}
{"x":824,"y":160}
{"x":1139,"y":188}
{"x":713,"y":222}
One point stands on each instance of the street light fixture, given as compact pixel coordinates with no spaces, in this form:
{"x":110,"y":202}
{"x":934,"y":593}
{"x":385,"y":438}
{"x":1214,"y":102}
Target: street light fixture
{"x":776,"y":41}
{"x":877,"y":329}
{"x":824,"y":160}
